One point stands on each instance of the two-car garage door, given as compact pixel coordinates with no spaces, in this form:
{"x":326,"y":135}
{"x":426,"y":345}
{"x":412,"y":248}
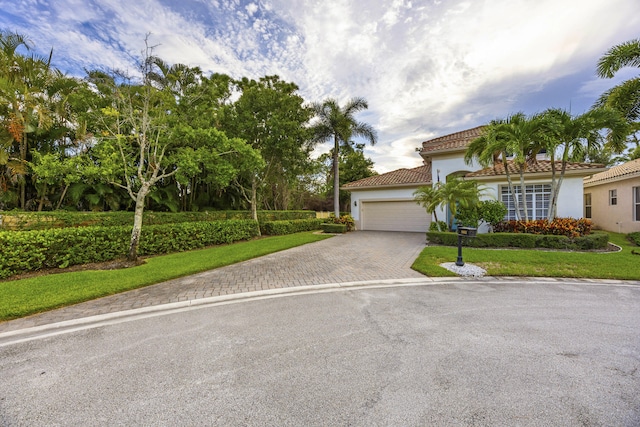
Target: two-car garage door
{"x":404,"y":215}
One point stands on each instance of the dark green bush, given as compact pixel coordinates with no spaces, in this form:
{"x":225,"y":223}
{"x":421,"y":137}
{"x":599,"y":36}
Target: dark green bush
{"x":275,"y":228}
{"x":39,"y":249}
{"x":334,"y":228}
{"x":596,"y":240}
{"x":61,"y":219}
{"x":438,"y":226}
{"x":634,"y":237}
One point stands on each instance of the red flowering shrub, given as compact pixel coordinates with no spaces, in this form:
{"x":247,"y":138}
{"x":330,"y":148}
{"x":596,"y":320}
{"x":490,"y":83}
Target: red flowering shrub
{"x":569,"y":227}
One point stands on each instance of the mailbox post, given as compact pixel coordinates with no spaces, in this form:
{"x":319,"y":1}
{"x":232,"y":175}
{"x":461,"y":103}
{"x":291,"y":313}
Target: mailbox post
{"x":463,"y":232}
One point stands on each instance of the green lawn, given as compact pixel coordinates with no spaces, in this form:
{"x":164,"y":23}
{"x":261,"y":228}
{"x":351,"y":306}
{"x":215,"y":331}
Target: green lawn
{"x":19,"y":298}
{"x":518,"y":262}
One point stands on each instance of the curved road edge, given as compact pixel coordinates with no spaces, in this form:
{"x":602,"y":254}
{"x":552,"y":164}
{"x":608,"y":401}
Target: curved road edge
{"x":53,"y":329}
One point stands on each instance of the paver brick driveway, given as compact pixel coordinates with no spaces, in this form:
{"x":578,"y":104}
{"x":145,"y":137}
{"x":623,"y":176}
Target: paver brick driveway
{"x":353,"y":257}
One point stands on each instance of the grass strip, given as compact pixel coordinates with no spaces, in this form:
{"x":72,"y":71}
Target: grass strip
{"x":622,"y":265}
{"x":20,"y":298}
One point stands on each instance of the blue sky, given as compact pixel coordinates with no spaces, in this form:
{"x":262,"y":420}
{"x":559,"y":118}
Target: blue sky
{"x":427,"y":68}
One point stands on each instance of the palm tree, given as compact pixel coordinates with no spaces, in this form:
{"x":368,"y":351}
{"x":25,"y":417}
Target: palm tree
{"x":429,"y":198}
{"x":340,"y":124}
{"x":455,"y":193}
{"x":624,"y":97}
{"x":575,"y":136}
{"x":24,"y":81}
{"x":517,"y":136}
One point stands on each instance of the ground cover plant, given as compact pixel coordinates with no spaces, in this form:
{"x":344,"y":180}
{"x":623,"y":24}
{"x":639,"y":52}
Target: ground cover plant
{"x":623,"y":265}
{"x":19,"y":298}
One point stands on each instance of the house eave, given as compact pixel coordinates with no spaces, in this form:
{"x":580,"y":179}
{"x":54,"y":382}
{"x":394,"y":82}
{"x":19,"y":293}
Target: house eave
{"x":536,"y":175}
{"x":611,"y":180}
{"x":386,"y":186}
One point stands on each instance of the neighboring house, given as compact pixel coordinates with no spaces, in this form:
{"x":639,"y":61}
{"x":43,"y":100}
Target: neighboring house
{"x":375,"y":200}
{"x":612,"y":198}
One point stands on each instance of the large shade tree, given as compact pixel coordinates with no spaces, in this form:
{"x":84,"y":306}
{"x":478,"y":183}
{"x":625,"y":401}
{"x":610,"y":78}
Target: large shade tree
{"x":340,"y":125}
{"x":143,"y":142}
{"x":270,"y":116}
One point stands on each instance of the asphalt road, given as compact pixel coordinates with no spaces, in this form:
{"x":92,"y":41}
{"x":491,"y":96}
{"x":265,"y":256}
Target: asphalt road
{"x":474,"y":353}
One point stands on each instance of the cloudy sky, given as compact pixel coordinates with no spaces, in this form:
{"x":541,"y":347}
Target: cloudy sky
{"x":426,"y":67}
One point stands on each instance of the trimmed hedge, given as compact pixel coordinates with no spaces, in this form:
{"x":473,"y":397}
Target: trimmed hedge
{"x":276,"y":228}
{"x":23,"y":221}
{"x":595,"y":240}
{"x":634,"y":237}
{"x":38,"y":249}
{"x":334,"y":228}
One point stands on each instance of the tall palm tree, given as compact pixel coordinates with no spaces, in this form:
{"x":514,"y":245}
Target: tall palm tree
{"x":572,"y":137}
{"x":517,"y":136}
{"x":340,"y":124}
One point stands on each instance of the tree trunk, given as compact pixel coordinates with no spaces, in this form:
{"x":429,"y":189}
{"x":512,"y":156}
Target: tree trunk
{"x":22,"y":177}
{"x":137,"y":223}
{"x":552,"y":196}
{"x":512,"y":190}
{"x":42,"y":196}
{"x":64,"y":193}
{"x":254,"y":201}
{"x":523,"y":195}
{"x":336,"y":179}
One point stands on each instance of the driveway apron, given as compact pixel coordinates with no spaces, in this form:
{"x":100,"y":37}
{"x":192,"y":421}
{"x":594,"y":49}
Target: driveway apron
{"x":352,"y":257}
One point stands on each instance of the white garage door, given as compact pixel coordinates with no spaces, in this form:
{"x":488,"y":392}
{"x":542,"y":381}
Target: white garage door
{"x":394,"y":216}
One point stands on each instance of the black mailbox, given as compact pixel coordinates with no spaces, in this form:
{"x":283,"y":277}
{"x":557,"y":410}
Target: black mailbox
{"x":464,"y":232}
{"x":467,"y":231}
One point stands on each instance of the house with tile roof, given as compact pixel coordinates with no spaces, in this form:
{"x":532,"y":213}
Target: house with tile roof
{"x":386,"y":202}
{"x":612,"y":198}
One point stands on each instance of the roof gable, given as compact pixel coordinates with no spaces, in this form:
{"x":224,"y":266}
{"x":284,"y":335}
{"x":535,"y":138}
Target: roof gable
{"x":401,"y":177}
{"x":453,"y":142}
{"x":623,"y":171}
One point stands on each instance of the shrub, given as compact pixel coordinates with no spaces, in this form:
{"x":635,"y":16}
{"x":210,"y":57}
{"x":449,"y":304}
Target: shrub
{"x":634,"y":238}
{"x":346,"y":220}
{"x":492,"y":212}
{"x":273,"y":228}
{"x":438,"y":226}
{"x":38,"y":249}
{"x":569,"y":227}
{"x":468,"y":216}
{"x":334,"y":228}
{"x":596,"y":240}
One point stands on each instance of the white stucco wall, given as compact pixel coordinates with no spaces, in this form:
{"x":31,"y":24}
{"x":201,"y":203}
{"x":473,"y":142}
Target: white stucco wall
{"x":570,"y":199}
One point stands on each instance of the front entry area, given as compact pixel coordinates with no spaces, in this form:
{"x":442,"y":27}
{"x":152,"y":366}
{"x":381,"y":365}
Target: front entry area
{"x":401,"y":215}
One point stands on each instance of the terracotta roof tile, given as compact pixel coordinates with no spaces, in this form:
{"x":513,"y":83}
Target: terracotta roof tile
{"x":420,"y":175}
{"x":541,"y":166}
{"x":627,"y":169}
{"x":454,"y":141}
